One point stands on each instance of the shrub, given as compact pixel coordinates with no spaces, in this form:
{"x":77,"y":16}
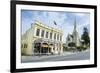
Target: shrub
{"x":80,"y":48}
{"x":71,"y":44}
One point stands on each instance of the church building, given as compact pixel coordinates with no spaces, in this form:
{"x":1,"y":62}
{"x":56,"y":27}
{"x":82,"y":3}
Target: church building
{"x":74,"y":37}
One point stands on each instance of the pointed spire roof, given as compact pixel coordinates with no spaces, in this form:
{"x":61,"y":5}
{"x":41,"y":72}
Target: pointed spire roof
{"x":75,"y":28}
{"x":75,"y":25}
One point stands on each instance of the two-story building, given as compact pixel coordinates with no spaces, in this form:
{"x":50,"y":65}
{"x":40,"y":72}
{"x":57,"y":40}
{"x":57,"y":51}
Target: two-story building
{"x":41,"y":39}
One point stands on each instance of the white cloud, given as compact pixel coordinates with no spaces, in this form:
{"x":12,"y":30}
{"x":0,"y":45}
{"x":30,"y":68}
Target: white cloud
{"x":63,"y":19}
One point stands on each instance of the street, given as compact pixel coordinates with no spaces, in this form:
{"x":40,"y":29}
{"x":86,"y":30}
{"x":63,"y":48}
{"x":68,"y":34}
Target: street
{"x":64,"y":57}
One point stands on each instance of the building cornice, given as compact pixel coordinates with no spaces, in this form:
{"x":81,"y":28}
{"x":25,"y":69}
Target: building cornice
{"x":48,"y":27}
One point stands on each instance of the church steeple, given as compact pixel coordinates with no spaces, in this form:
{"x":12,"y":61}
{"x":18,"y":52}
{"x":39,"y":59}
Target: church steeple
{"x":75,"y":27}
{"x":75,"y":33}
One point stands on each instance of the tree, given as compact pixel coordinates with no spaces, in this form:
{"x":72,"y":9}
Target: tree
{"x":71,"y":44}
{"x":85,"y":37}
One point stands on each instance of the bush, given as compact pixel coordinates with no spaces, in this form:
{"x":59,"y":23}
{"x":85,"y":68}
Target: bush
{"x":71,"y":44}
{"x":84,"y":48}
{"x":80,"y":48}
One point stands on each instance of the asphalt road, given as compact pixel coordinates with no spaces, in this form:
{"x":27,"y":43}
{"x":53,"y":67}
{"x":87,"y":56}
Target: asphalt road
{"x":64,"y":57}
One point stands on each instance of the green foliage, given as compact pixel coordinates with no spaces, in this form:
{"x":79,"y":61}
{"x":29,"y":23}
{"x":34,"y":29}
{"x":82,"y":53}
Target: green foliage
{"x":80,"y":48}
{"x":85,"y":36}
{"x":65,"y":48}
{"x":72,"y":44}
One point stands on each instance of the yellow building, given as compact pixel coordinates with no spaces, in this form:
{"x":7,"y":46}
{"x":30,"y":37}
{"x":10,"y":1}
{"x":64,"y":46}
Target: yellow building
{"x":41,"y":39}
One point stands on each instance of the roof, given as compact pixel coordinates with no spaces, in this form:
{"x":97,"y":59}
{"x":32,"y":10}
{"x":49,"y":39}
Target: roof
{"x":48,"y":27}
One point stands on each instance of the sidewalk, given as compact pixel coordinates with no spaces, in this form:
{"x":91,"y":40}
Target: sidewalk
{"x":42,"y":58}
{"x":46,"y":56}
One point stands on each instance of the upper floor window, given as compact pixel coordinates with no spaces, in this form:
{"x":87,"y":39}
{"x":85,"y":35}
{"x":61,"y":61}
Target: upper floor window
{"x":42,"y":33}
{"x":21,"y":45}
{"x":54,"y":36}
{"x":37,"y":32}
{"x":58,"y":37}
{"x":50,"y":35}
{"x":47,"y":34}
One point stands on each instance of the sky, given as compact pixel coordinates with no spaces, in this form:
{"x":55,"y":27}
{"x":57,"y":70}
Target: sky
{"x":64,"y":20}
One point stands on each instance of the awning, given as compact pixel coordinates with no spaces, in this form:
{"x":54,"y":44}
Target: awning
{"x":44,"y":45}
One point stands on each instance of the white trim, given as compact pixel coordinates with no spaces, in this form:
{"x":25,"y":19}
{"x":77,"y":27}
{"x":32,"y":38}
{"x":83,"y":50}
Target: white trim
{"x":51,"y":64}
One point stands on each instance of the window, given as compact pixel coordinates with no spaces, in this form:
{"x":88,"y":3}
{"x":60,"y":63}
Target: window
{"x":50,"y":35}
{"x":42,"y":34}
{"x":37,"y":32}
{"x":58,"y":37}
{"x":22,"y":46}
{"x":54,"y":36}
{"x":25,"y":45}
{"x":47,"y":34}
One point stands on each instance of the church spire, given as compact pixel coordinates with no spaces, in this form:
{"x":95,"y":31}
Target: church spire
{"x":75,"y":32}
{"x":75,"y":25}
